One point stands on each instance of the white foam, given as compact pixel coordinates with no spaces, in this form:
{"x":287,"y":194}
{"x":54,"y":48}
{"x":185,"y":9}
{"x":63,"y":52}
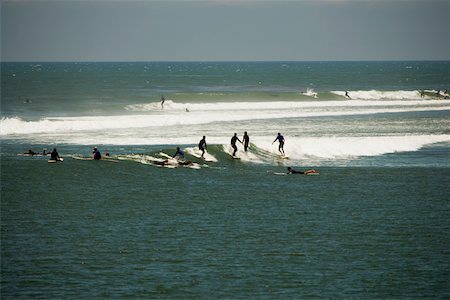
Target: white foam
{"x":310,"y":93}
{"x":197,"y":153}
{"x":380,"y":95}
{"x":349,"y":147}
{"x":205,"y":113}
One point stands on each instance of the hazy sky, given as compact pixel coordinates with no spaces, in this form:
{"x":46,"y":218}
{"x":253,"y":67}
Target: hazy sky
{"x":216,"y":30}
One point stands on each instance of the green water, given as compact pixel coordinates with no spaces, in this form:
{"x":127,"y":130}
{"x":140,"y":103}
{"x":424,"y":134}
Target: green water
{"x":85,"y":230}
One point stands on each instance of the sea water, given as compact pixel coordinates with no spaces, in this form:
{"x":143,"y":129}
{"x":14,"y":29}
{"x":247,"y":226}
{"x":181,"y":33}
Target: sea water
{"x":373,"y":224}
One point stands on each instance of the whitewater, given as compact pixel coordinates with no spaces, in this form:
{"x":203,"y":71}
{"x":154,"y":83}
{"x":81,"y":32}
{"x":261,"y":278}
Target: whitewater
{"x":184,"y":124}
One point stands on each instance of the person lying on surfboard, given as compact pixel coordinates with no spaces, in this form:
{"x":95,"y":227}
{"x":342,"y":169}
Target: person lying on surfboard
{"x":31,"y":152}
{"x":292,"y":171}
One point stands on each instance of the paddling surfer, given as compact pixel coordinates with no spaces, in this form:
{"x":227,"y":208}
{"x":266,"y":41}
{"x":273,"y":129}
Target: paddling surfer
{"x":292,"y":171}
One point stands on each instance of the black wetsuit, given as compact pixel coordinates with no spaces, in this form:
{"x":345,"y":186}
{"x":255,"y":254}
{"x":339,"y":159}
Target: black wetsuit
{"x":202,"y":146}
{"x":246,"y":140}
{"x":233,"y":143}
{"x":54,"y":155}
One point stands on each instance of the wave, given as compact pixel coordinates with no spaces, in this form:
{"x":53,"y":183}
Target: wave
{"x":308,"y":149}
{"x":311,"y":148}
{"x":381,"y":95}
{"x":179,"y":114}
{"x":350,"y":147}
{"x":271,"y":96}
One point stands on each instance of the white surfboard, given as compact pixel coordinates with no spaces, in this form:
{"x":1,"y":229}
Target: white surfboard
{"x":197,"y":153}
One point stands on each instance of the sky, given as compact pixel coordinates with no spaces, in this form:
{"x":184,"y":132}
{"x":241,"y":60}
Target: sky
{"x":224,"y":30}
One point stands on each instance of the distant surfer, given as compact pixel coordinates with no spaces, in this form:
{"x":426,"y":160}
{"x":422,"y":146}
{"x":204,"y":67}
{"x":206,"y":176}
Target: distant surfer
{"x":96,"y":154}
{"x":347,"y":95}
{"x":202,"y":146}
{"x":179,"y":154}
{"x":54,"y":155}
{"x":233,"y":143}
{"x":280,"y":139}
{"x":31,"y":152}
{"x":292,"y":171}
{"x":246,"y":140}
{"x":162,"y":101}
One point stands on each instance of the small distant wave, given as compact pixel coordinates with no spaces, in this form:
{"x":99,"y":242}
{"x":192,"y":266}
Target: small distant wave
{"x":380,"y":95}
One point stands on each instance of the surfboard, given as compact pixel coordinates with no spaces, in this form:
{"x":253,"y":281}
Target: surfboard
{"x":90,"y":158}
{"x":310,"y":174}
{"x":278,"y":173}
{"x":197,"y":153}
{"x":81,"y":157}
{"x":51,"y":161}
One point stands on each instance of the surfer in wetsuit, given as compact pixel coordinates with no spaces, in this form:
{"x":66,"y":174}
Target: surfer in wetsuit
{"x":179,"y":154}
{"x":162,"y":102}
{"x":54,"y":155}
{"x":96,"y":154}
{"x":280,"y":139}
{"x":292,"y":171}
{"x":246,"y":140}
{"x":233,"y":143}
{"x":31,"y":152}
{"x":347,"y":95}
{"x":202,"y":145}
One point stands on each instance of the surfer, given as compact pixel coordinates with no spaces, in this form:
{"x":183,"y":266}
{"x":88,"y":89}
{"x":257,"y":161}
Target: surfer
{"x":280,"y":139}
{"x":31,"y":152}
{"x":233,"y":143}
{"x":292,"y":171}
{"x":162,"y":101}
{"x":246,"y":140}
{"x":347,"y":95}
{"x":202,"y":146}
{"x":179,"y":154}
{"x":96,"y":154}
{"x":54,"y":155}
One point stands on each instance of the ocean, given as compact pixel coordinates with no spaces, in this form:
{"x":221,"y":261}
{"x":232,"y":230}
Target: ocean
{"x":375,"y":224}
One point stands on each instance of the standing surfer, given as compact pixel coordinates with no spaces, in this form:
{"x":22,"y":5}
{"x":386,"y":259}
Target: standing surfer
{"x":202,"y":146}
{"x":162,"y":101}
{"x":280,"y":139}
{"x":233,"y":143}
{"x":246,"y":140}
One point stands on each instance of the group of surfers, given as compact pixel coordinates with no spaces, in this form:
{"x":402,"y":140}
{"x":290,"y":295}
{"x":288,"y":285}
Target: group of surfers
{"x":179,"y":154}
{"x":245,"y":141}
